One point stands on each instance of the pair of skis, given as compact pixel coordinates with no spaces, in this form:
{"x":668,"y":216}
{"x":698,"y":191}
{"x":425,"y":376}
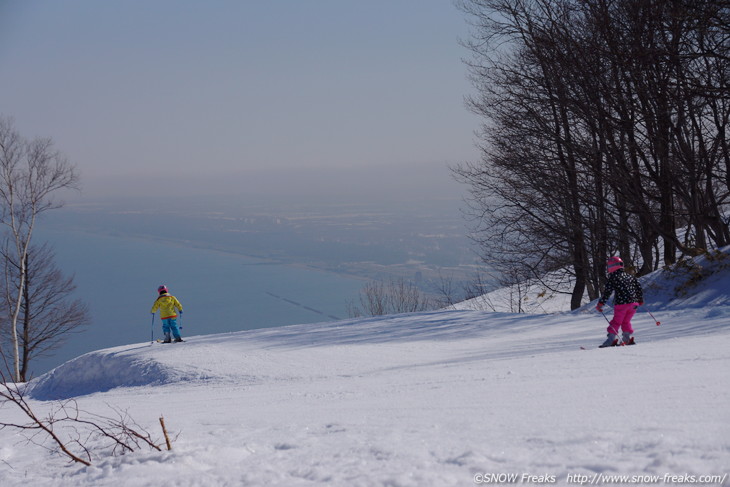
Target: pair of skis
{"x":622,"y":344}
{"x":631,"y":342}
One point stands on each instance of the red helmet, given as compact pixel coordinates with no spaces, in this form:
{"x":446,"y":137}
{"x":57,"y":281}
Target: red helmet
{"x":162,"y":289}
{"x":614,"y":263}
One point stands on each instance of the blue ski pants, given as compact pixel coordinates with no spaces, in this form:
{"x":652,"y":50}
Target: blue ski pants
{"x":169,"y":325}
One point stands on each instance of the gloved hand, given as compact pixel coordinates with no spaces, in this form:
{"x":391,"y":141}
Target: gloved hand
{"x":599,"y":307}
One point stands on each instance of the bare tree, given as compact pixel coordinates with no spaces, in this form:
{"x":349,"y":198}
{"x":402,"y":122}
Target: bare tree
{"x":406,"y":297}
{"x":605,"y":130}
{"x":48,"y":312}
{"x":31,"y":174}
{"x":478,"y":287}
{"x":446,"y":289}
{"x":379,"y":298}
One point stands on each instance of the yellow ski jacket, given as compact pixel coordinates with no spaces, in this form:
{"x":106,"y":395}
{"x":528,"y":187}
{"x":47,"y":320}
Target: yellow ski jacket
{"x":167,"y":304}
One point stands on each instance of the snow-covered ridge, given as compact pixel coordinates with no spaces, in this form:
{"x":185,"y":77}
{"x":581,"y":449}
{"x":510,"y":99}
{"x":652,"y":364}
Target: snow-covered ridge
{"x":213,"y":358}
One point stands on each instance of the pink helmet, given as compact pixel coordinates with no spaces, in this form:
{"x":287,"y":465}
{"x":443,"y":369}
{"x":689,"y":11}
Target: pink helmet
{"x":162,"y":289}
{"x":614,"y":263}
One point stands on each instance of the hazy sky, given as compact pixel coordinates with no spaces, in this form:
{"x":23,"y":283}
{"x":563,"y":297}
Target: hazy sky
{"x":212,"y":95}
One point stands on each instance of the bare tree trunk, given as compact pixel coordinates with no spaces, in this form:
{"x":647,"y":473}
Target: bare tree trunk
{"x":22,"y":253}
{"x":26,"y":327}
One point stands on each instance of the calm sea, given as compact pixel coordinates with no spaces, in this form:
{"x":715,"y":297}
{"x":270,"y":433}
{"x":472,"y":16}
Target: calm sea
{"x":117,"y":277}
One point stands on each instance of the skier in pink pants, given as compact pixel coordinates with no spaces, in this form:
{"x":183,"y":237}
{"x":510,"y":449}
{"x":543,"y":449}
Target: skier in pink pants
{"x":629,"y":296}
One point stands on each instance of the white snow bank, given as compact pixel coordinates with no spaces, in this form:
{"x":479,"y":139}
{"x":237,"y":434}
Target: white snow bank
{"x":98,"y":372}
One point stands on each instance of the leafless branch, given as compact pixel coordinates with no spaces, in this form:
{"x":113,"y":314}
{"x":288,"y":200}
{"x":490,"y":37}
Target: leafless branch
{"x":73,"y":430}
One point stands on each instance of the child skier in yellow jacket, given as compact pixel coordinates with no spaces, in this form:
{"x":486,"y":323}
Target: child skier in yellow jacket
{"x":168,"y":306}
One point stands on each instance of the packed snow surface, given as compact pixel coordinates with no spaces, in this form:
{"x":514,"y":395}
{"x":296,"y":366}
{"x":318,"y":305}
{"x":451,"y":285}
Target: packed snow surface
{"x":446,"y":398}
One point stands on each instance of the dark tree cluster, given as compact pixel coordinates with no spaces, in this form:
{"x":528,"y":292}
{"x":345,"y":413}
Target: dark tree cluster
{"x":605,"y":131}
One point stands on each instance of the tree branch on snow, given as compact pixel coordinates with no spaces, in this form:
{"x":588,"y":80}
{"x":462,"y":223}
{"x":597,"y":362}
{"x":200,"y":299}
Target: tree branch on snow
{"x":70,"y":430}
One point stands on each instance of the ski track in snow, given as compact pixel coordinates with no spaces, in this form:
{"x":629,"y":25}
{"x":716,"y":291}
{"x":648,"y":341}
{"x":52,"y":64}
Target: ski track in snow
{"x":430,"y":399}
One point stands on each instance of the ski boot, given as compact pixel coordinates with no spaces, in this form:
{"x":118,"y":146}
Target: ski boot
{"x":178,"y":339}
{"x":611,"y":341}
{"x":627,"y":339}
{"x":167,"y":338}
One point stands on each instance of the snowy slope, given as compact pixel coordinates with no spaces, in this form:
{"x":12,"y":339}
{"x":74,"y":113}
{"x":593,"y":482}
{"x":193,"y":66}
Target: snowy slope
{"x":699,"y":282}
{"x":444,"y":398}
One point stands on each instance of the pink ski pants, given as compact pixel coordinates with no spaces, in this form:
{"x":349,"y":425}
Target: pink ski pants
{"x":622,"y":314}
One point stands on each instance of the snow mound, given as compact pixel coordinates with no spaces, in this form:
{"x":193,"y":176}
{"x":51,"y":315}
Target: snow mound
{"x":701,"y":282}
{"x":98,"y":372}
{"x":207,"y":359}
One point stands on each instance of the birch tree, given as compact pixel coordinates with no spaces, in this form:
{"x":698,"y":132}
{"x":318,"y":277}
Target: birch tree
{"x":32,"y":173}
{"x":49,"y":314}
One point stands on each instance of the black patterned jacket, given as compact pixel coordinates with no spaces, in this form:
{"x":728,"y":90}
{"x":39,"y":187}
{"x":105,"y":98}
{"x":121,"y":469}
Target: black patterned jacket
{"x":627,"y":288}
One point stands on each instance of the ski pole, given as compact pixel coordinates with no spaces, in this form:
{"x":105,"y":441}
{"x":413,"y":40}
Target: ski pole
{"x":657,"y":321}
{"x":152,"y":329}
{"x":605,"y":317}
